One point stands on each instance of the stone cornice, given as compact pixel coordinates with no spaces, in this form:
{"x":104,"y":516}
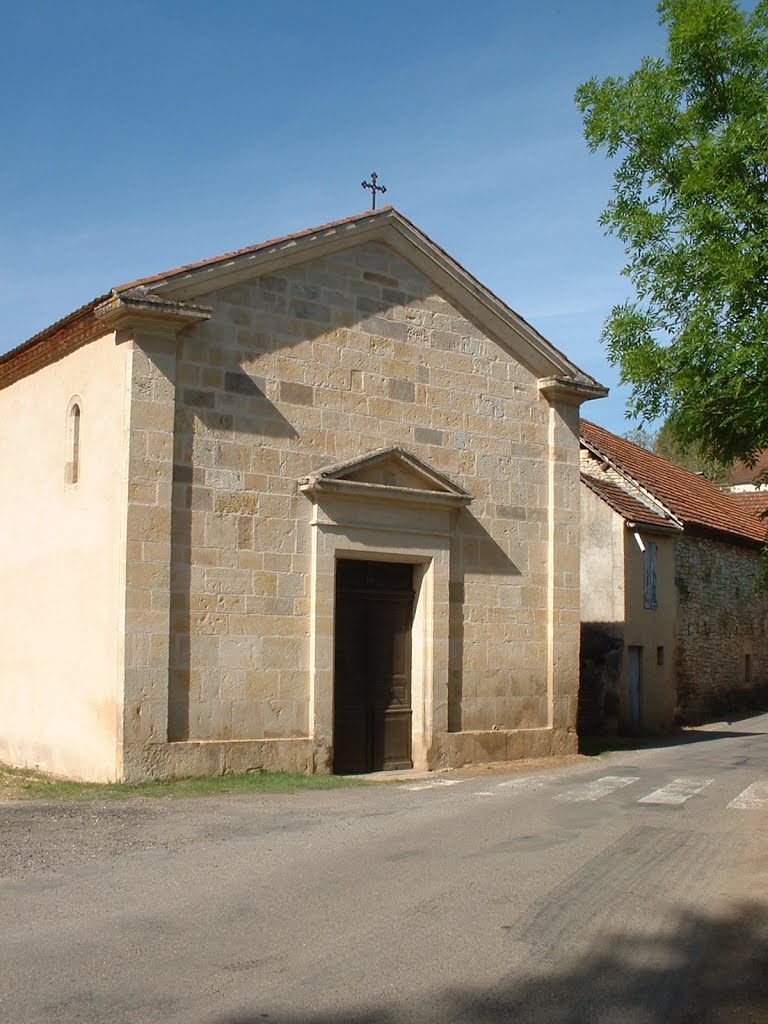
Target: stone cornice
{"x":317,"y":487}
{"x":334,"y":480}
{"x":570,"y":390}
{"x":130,"y":309}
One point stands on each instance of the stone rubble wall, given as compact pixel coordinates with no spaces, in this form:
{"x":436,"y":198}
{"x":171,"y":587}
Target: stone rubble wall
{"x":720,"y":620}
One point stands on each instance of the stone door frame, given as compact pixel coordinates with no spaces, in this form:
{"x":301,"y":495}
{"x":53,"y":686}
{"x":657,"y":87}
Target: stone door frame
{"x":430,"y":557}
{"x":405,"y":516}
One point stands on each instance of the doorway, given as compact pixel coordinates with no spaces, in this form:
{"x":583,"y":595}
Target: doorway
{"x":372,"y":718}
{"x":634,"y":685}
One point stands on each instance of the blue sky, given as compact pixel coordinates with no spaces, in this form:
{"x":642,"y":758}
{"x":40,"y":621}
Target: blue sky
{"x":141,"y":137}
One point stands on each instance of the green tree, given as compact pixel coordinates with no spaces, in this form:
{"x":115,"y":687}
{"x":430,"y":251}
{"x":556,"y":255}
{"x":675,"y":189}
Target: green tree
{"x":691,"y":456}
{"x":666,"y":443}
{"x":689,"y":134}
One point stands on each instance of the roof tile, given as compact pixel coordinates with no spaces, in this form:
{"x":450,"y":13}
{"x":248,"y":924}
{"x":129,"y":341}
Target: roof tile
{"x":694,"y":500}
{"x":626,"y":504}
{"x":755,"y":502}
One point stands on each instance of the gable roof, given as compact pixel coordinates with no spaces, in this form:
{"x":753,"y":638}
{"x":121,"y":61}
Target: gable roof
{"x":386,"y":225}
{"x":696,"y":502}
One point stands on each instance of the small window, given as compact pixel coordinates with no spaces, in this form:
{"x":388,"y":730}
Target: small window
{"x":659,"y":655}
{"x":649,"y":576}
{"x":747,"y":668}
{"x":72,"y":467}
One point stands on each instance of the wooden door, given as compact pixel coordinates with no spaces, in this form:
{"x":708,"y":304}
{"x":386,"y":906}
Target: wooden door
{"x":372,"y":666}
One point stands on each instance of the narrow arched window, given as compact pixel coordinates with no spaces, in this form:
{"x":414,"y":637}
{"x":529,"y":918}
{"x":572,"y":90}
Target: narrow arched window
{"x":73,"y":442}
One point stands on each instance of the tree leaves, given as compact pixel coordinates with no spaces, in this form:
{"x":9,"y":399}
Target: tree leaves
{"x":689,"y":135}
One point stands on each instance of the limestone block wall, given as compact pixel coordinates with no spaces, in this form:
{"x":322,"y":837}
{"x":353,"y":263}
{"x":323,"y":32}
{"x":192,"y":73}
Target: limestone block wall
{"x":722,"y":631}
{"x":62,"y":554}
{"x":321,"y":363}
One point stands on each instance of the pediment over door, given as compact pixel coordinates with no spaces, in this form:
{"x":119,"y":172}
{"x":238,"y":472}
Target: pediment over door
{"x":389,"y":473}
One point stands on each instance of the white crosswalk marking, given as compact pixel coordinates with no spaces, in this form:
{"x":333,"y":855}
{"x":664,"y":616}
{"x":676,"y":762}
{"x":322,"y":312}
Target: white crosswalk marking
{"x":599,"y":787}
{"x":677,"y":792}
{"x":753,"y":798}
{"x":416,"y":787}
{"x":525,"y":782}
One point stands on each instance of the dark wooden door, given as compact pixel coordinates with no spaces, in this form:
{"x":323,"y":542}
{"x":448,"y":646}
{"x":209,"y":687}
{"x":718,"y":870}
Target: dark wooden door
{"x":372,"y":669}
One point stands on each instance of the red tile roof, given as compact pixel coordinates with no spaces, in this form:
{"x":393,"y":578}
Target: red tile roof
{"x":55,"y":342}
{"x":626,"y":504}
{"x":694,"y":500}
{"x":755,"y":502}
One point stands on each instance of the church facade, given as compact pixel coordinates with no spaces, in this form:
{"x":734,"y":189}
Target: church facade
{"x":313,"y":505}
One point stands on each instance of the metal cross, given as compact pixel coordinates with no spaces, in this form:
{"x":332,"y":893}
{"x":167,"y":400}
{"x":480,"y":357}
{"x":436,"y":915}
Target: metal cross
{"x":374,"y":188}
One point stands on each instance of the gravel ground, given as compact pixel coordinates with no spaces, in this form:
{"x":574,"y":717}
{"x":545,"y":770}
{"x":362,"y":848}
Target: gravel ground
{"x":46,"y":838}
{"x":40,"y":837}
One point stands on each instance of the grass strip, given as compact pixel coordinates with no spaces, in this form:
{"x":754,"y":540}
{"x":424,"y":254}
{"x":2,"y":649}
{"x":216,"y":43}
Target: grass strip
{"x":25,"y":784}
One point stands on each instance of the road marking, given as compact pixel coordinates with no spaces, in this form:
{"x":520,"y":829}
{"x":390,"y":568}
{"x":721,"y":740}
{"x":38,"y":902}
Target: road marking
{"x":677,"y":792}
{"x":753,"y":798}
{"x":416,"y":787}
{"x":599,"y":787}
{"x":522,"y":783}
{"x":484,"y":792}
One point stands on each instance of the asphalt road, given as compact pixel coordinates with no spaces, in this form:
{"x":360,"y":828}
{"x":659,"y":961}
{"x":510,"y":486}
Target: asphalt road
{"x":631,"y":888}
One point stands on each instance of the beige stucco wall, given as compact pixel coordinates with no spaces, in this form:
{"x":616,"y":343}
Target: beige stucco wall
{"x":602,"y":561}
{"x":60,"y":566}
{"x":650,"y":629}
{"x":317,"y":364}
{"x":602,"y":615}
{"x":613,"y":619}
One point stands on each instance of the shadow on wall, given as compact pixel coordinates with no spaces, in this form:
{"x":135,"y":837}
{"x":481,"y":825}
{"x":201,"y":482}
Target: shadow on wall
{"x":474,"y":553}
{"x":602,"y":647}
{"x":189,"y":494}
{"x":707,"y":970}
{"x":739,"y":700}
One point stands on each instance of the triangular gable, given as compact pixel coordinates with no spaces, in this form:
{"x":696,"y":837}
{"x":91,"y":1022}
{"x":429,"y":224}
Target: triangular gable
{"x":392,"y":473}
{"x":390,"y":228}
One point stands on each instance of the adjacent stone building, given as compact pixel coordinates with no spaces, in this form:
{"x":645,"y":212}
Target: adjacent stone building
{"x":673,"y":630}
{"x":311,"y":505}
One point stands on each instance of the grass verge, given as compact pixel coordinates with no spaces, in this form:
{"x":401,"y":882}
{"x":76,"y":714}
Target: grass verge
{"x":24,"y":784}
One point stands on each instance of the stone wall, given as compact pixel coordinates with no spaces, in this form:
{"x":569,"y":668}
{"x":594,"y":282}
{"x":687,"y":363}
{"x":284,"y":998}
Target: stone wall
{"x":322,"y":363}
{"x":721,"y":621}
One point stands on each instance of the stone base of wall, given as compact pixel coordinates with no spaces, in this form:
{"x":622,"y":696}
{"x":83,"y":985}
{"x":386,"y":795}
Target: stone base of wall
{"x":485,"y":747}
{"x":225,"y":757}
{"x":217,"y":757}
